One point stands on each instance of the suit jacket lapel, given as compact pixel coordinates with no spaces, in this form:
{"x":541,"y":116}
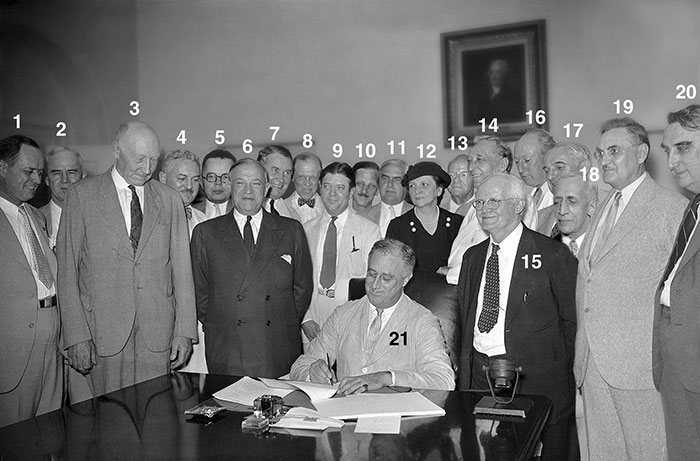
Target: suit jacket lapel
{"x":11,"y":242}
{"x":690,"y":250}
{"x":634,"y":212}
{"x":151,"y":214}
{"x":520,"y":278}
{"x":268,"y":240}
{"x":232,"y":239}
{"x":112,"y":213}
{"x":476,"y":271}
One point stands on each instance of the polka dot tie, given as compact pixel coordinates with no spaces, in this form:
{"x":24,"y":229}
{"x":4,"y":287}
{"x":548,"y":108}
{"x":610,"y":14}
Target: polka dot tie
{"x":489,"y":310}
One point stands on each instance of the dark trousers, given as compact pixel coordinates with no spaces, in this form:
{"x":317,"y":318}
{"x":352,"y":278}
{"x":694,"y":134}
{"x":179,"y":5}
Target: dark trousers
{"x":555,"y":437}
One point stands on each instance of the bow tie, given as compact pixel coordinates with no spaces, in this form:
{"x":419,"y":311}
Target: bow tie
{"x":310,"y":202}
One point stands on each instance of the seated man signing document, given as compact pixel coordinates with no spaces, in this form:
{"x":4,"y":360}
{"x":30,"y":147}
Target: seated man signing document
{"x":383,"y":339}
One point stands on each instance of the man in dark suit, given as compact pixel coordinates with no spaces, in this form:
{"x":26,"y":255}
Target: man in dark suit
{"x":676,"y":346}
{"x":516,"y":293}
{"x":30,"y":379}
{"x":252,"y":273}
{"x":125,"y":284}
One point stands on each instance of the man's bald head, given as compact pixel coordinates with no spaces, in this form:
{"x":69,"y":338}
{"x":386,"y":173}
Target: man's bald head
{"x":136,"y":150}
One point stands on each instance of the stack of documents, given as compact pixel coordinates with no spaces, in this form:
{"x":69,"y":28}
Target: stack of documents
{"x":367,"y":404}
{"x":247,"y":389}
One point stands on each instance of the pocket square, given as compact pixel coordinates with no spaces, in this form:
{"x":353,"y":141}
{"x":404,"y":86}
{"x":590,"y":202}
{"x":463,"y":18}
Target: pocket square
{"x":287,"y":258}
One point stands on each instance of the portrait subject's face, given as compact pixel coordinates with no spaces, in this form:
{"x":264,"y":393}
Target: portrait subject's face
{"x":621,"y":160}
{"x":483,"y":160}
{"x":306,"y":175}
{"x":219,"y":190}
{"x":529,"y":160}
{"x":62,"y":169}
{"x":559,"y":162}
{"x":500,"y":212}
{"x":461,"y":181}
{"x":137,"y":155}
{"x":249,"y":187}
{"x":390,"y":188}
{"x":18,"y":181}
{"x":366,"y":187}
{"x":386,"y":277}
{"x":574,"y":207}
{"x":279,"y":172}
{"x":183,"y":176}
{"x":335,"y":193}
{"x":682,"y":149}
{"x":424,"y":191}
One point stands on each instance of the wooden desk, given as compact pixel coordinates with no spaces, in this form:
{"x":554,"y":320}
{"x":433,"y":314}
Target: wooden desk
{"x":147,"y":421}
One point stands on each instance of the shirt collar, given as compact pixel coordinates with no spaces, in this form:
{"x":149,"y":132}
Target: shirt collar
{"x":241,"y":218}
{"x":120,"y":182}
{"x":509,"y":244}
{"x":631,"y":188}
{"x":567,"y":240}
{"x":342,"y":217}
{"x":9,"y":208}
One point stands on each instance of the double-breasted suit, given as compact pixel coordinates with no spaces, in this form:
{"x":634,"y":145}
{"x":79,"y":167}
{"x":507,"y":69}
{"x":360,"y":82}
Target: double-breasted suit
{"x":540,"y":322}
{"x":105,"y":290}
{"x":358,"y":236}
{"x":251,"y":307}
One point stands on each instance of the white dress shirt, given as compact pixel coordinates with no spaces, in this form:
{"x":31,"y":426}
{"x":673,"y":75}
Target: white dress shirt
{"x":17,"y":223}
{"x":385,"y":215}
{"x":55,"y":221}
{"x":494,"y":342}
{"x":254,"y":222}
{"x":547,"y":196}
{"x":124,"y":195}
{"x":213,"y":210}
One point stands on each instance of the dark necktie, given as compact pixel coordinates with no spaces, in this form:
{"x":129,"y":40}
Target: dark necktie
{"x":272,"y":208}
{"x":40,"y":263}
{"x":248,"y":239}
{"x":555,"y":232}
{"x":136,"y":219}
{"x":310,"y":202}
{"x":537,"y":196}
{"x":691,"y":218}
{"x":329,"y":255}
{"x":491,"y":304}
{"x":188,"y":212}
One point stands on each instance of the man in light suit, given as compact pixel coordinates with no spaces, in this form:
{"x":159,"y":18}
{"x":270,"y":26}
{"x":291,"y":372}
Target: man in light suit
{"x":304,"y":203}
{"x":31,"y":380}
{"x":563,"y":159}
{"x":180,"y":171}
{"x":216,"y":184}
{"x":125,"y":284}
{"x":64,"y":167}
{"x":339,"y":241}
{"x":516,"y":294}
{"x":528,"y":154}
{"x":487,"y":156}
{"x":392,"y":192}
{"x":460,"y":192}
{"x":621,"y":263}
{"x":676,"y":350}
{"x":252,"y":274}
{"x":383,"y":339}
{"x":366,"y":188}
{"x":277,"y":161}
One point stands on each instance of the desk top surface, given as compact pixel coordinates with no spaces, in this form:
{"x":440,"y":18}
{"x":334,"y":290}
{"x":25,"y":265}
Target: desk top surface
{"x":147,"y":421}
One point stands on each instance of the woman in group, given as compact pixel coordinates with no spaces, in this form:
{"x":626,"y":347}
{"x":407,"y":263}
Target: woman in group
{"x":427,"y":228}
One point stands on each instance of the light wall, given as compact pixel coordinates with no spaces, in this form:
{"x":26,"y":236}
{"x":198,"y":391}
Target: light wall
{"x":346,"y":72}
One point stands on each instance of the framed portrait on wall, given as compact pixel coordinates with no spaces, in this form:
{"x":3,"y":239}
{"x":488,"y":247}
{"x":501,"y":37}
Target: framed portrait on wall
{"x":494,"y":80}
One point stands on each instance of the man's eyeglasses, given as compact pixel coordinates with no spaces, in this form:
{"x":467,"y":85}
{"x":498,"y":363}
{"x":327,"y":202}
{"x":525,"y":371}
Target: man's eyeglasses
{"x":212,"y":177}
{"x":613,"y":152}
{"x":492,"y":204}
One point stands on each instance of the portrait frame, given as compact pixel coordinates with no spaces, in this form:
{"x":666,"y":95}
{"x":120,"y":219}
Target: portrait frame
{"x":476,"y":61}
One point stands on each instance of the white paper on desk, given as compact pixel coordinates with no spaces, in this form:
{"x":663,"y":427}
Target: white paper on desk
{"x":247,"y":389}
{"x":305,"y":418}
{"x":368,"y":404}
{"x":390,"y":424}
{"x":315,"y":391}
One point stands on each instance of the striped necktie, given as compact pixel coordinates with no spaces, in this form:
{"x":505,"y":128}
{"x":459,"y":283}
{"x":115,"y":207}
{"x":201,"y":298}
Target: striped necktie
{"x":40,"y":263}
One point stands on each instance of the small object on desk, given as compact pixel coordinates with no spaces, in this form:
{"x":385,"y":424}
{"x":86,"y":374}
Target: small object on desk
{"x":255,"y":424}
{"x":207,"y":409}
{"x":389,"y":424}
{"x":269,"y":406}
{"x":305,"y":418}
{"x":488,"y":406}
